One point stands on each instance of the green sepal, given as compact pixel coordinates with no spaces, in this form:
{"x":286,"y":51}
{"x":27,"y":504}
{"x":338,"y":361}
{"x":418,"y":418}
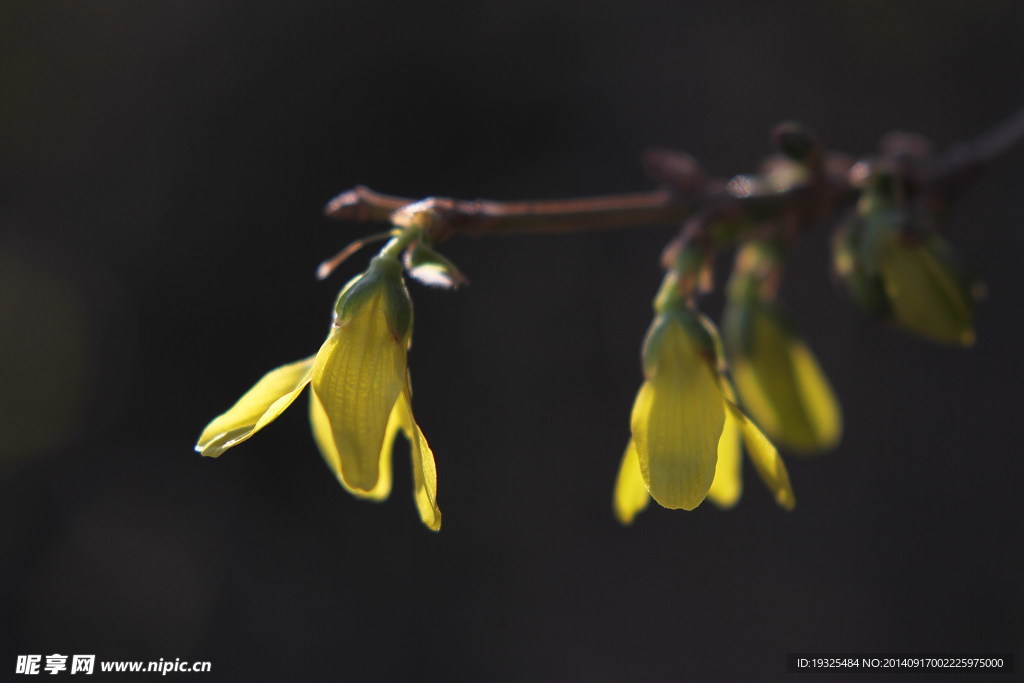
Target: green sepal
{"x":383,"y":276}
{"x":861,"y":279}
{"x":692,"y":326}
{"x":755,"y":279}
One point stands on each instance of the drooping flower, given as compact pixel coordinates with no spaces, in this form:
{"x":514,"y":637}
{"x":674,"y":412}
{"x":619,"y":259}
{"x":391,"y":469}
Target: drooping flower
{"x":360,"y":393}
{"x":778,"y":379}
{"x":686,"y":426}
{"x":897,"y":267}
{"x":632,"y":497}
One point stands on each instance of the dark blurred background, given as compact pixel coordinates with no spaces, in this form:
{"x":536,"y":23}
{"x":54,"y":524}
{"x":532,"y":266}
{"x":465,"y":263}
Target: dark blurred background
{"x":162,"y":171}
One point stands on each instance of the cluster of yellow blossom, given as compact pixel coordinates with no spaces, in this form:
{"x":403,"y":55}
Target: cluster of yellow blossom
{"x":688,"y":428}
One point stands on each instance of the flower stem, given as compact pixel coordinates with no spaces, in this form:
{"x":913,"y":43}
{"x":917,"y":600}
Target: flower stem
{"x":397,"y":244}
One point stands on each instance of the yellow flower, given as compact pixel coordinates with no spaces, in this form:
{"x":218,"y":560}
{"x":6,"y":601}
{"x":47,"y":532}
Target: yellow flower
{"x":777,"y":376}
{"x":927,"y":294}
{"x":896,"y":266}
{"x":780,"y":381}
{"x":687,"y":428}
{"x":361,"y":396}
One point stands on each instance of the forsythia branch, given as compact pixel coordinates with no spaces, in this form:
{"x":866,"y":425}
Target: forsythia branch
{"x":686,"y":191}
{"x":707,"y":396}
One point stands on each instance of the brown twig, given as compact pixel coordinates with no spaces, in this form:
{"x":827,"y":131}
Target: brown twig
{"x":953,"y":171}
{"x":480,"y":216}
{"x":658,"y":207}
{"x":687,"y":191}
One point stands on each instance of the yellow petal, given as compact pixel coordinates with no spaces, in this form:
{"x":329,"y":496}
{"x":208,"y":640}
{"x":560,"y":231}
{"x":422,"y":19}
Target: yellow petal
{"x":728,"y":482}
{"x":677,"y":420}
{"x":358,"y":375}
{"x":756,"y":400}
{"x":631,"y":497}
{"x":817,"y":397}
{"x":765,"y":459}
{"x":260,"y":406}
{"x":955,"y":294}
{"x":925,"y":297}
{"x":325,"y":441}
{"x":424,"y":470}
{"x":782,"y":386}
